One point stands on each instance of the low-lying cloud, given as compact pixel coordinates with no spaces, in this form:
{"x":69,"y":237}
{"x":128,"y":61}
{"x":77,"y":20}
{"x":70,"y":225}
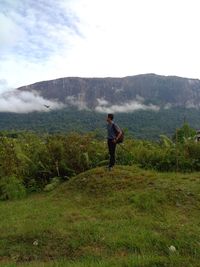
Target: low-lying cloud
{"x":104,"y":107}
{"x":16,"y":101}
{"x":102,"y":102}
{"x":77,"y":102}
{"x":4,"y":86}
{"x":24,"y":102}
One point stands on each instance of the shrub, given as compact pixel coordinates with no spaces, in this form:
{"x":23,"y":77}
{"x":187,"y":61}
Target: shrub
{"x":54,"y":183}
{"x":11,"y":188}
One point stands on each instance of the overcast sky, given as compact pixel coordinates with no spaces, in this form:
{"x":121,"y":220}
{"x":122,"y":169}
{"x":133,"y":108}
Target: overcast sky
{"x":48,"y":39}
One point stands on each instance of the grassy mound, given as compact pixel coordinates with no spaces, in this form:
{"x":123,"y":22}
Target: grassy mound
{"x":100,"y":181}
{"x":126,"y":217}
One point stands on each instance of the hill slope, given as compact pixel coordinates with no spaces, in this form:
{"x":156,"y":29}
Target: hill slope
{"x":128,"y":217}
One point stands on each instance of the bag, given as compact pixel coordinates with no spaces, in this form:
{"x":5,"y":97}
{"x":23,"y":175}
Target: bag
{"x":121,"y":138}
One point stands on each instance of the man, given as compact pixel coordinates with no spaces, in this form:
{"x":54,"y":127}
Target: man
{"x":114,"y":133}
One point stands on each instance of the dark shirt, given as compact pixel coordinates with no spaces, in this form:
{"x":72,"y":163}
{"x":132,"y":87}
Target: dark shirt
{"x":111,"y":130}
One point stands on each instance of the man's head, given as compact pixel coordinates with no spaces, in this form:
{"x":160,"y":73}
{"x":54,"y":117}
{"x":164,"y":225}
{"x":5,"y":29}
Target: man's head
{"x":110,"y":118}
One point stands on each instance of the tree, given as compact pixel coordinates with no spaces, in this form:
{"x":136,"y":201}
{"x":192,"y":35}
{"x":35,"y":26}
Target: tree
{"x":184,"y":133}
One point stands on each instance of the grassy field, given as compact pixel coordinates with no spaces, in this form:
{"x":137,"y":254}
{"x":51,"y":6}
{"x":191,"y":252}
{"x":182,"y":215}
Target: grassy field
{"x":127,"y":217}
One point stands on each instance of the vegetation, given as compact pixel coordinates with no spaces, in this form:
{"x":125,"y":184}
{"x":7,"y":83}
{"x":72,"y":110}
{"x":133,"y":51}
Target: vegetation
{"x":31,"y":162}
{"x":76,"y":213}
{"x":142,"y":125}
{"x":128,"y":217}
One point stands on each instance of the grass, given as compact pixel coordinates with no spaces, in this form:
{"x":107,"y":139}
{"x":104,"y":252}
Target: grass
{"x":127,"y":217}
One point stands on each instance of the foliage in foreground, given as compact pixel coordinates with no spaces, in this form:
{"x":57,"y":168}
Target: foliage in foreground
{"x":32,"y":163}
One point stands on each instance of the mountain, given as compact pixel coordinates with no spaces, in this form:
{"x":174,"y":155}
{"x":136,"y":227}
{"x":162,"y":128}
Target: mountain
{"x":146,"y":105}
{"x":146,"y":91}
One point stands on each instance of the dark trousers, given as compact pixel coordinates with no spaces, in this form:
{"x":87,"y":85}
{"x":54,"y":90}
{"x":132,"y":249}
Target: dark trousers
{"x":111,"y":148}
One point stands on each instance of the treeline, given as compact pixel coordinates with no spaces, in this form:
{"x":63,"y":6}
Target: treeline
{"x":31,"y":162}
{"x":139,"y":124}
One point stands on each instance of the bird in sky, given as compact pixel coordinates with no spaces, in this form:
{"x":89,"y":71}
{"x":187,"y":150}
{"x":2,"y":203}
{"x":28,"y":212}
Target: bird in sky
{"x":46,"y":106}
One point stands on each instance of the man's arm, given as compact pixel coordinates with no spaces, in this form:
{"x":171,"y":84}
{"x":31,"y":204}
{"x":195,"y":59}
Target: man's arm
{"x":119,"y":133}
{"x":118,"y":136}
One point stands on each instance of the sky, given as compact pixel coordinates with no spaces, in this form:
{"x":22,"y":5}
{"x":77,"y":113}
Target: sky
{"x":49,"y":39}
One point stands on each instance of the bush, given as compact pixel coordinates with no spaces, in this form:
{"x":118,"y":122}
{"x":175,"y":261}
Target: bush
{"x":51,"y":186}
{"x":32,"y":186}
{"x":36,"y":159}
{"x":11,"y":188}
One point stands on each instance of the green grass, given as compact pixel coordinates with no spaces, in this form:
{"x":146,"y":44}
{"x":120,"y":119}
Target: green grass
{"x":127,"y":217}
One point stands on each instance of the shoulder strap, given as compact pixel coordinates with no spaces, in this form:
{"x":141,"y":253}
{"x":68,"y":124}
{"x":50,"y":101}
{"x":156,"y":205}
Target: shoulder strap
{"x":115,"y":128}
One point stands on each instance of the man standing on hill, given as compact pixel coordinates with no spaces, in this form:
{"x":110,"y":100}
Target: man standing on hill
{"x":114,"y":133}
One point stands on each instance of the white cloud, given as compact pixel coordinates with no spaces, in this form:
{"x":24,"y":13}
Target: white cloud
{"x":48,"y":39}
{"x":76,"y":102}
{"x":25,"y":102}
{"x":126,"y":107}
{"x":168,"y":106}
{"x":33,"y":33}
{"x":102,"y":102}
{"x":4,"y":86}
{"x":9,"y":32}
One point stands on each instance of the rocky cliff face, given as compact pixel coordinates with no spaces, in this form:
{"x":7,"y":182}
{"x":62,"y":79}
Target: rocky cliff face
{"x":148,"y":91}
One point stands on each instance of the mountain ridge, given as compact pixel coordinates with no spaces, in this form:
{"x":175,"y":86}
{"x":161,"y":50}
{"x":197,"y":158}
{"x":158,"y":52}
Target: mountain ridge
{"x":147,"y":105}
{"x":148,"y":90}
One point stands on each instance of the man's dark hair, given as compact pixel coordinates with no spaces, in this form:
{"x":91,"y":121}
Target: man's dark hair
{"x":111,"y":116}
